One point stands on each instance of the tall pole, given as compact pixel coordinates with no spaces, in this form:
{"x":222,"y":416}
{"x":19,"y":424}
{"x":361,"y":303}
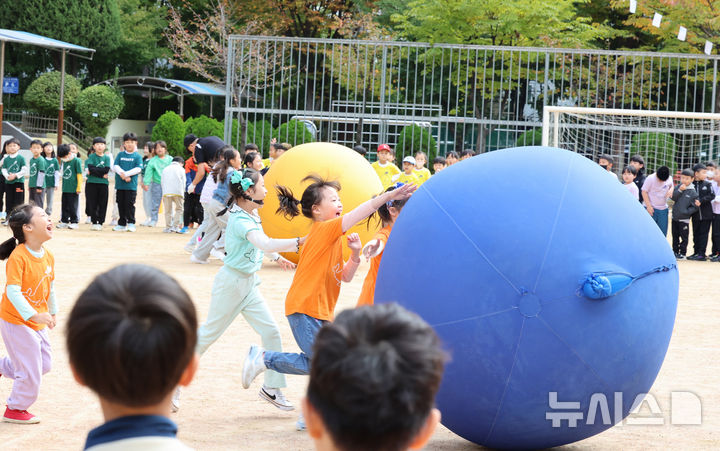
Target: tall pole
{"x":182,"y":114}
{"x":61,"y":111}
{"x":2,"y":77}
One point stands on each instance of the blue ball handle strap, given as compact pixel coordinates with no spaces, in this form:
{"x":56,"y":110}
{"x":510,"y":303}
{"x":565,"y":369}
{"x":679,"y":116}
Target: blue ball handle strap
{"x":602,"y":285}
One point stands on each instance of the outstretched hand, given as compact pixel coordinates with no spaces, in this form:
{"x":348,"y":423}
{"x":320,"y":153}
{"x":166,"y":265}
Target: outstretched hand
{"x":285,"y":264}
{"x":402,"y":193}
{"x":354,"y":242}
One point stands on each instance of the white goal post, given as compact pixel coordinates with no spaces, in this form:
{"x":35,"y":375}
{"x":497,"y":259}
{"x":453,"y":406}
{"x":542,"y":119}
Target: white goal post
{"x":676,"y":139}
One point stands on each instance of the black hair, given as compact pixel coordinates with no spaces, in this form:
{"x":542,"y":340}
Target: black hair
{"x":606,"y":157}
{"x":237,"y":191}
{"x":467,"y":152}
{"x":383,"y":213}
{"x":220,"y":171}
{"x":48,"y":143}
{"x":284,"y":147}
{"x":687,"y":173}
{"x":12,"y":140}
{"x":63,"y":150}
{"x":630,"y":169}
{"x":699,"y":167}
{"x":160,"y":143}
{"x":130,"y":136}
{"x":439,"y":160}
{"x":249,"y":158}
{"x":710,"y":164}
{"x":131,"y":335}
{"x":178,"y":160}
{"x":21,"y":215}
{"x":452,"y":154}
{"x":291,"y":207}
{"x":638,"y":159}
{"x":361,"y":150}
{"x":663,"y":173}
{"x":36,"y":142}
{"x":250,"y":147}
{"x":374,"y":374}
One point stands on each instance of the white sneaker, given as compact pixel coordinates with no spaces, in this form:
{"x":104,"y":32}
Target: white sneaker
{"x":146,"y":223}
{"x":168,"y":230}
{"x":175,"y":403}
{"x":119,"y":228}
{"x":3,"y":215}
{"x":253,"y":365}
{"x":88,"y":220}
{"x":152,"y":224}
{"x":189,"y":248}
{"x":131,"y":228}
{"x":62,"y":225}
{"x":275,"y":397}
{"x":217,"y":253}
{"x":96,"y":227}
{"x":73,"y":226}
{"x":194,"y":259}
{"x":300,"y":423}
{"x":113,"y":223}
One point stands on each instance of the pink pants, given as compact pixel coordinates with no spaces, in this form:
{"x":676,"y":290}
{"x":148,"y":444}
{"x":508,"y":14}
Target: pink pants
{"x":28,"y":359}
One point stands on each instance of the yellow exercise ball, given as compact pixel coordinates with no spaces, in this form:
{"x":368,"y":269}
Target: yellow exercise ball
{"x":358,"y":183}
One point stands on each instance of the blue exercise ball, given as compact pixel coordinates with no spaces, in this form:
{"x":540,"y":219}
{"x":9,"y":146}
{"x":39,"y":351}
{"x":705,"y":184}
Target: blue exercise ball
{"x":551,"y":287}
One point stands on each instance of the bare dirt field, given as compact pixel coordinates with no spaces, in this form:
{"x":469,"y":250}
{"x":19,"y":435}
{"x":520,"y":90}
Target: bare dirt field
{"x":217,"y":414}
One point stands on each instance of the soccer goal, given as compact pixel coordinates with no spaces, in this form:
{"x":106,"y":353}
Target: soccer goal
{"x":676,"y":139}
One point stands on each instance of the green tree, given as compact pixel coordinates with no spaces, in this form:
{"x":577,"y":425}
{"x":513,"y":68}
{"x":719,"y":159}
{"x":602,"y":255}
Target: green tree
{"x":293,"y":132}
{"x":532,"y":137}
{"x":204,"y":126}
{"x":43,"y":94}
{"x":97,"y":106}
{"x":413,"y":139}
{"x":658,"y":149}
{"x":171,"y":129}
{"x":260,"y":133}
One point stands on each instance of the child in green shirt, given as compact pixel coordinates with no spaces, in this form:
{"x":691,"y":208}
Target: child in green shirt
{"x":38,"y":166}
{"x":153,"y":177}
{"x":96,"y":189}
{"x":14,"y":169}
{"x":71,"y":186}
{"x":52,"y":176}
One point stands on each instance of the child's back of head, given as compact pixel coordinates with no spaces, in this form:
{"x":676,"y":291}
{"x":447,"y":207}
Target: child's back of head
{"x":374,"y":375}
{"x":131,"y":335}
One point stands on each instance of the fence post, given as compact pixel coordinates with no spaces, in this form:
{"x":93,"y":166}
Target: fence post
{"x":382,"y":130}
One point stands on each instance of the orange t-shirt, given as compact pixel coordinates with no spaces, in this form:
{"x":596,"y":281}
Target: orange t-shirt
{"x":34,"y":276}
{"x":367,"y":295}
{"x":316,"y":286}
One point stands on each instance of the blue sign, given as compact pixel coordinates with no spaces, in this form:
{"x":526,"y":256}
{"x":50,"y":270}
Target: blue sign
{"x":11,"y":85}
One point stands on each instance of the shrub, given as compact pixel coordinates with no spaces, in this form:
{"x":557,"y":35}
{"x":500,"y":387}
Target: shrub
{"x":658,"y":149}
{"x":532,"y":137}
{"x":413,"y":139}
{"x":292,"y":132}
{"x":43,"y":94}
{"x":97,"y":106}
{"x":260,"y":133}
{"x":204,"y":126}
{"x":171,"y":129}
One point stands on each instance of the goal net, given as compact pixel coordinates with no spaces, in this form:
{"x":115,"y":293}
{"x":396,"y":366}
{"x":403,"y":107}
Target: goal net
{"x":675,"y":139}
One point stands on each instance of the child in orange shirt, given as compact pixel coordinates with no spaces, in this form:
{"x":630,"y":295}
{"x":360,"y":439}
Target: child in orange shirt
{"x":27,"y":307}
{"x":373,"y":250}
{"x":315,"y":288}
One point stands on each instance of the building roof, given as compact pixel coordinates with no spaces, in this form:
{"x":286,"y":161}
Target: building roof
{"x":177,"y":87}
{"x":23,"y":37}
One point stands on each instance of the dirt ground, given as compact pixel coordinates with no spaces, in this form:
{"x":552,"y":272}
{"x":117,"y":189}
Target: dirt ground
{"x":217,"y":414}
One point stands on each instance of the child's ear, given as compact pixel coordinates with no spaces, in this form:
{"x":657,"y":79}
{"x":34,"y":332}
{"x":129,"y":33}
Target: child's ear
{"x":313,"y":421}
{"x":76,"y":376}
{"x":424,"y":434}
{"x":190,"y":371}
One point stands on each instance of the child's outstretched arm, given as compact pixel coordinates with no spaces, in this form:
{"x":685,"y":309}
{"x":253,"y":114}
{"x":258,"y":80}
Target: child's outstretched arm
{"x":351,"y":265}
{"x":365,"y":209}
{"x":267,"y":244}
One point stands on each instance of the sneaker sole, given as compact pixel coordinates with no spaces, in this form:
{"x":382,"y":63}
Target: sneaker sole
{"x":35,"y":420}
{"x":266,"y":397}
{"x":246,"y":368}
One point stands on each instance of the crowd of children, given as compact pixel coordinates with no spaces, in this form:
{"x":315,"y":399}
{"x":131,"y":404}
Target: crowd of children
{"x":696,"y":197}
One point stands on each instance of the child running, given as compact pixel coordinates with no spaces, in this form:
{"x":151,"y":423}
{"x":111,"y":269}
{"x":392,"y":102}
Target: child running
{"x":235,"y":288}
{"x":311,"y":300}
{"x":28,"y":306}
{"x":373,"y":250}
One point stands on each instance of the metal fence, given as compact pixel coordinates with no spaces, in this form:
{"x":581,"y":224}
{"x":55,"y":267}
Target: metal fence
{"x":38,"y":126}
{"x":440,"y":98}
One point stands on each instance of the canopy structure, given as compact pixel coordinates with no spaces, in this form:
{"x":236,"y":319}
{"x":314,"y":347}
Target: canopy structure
{"x":180,"y":88}
{"x":23,"y":37}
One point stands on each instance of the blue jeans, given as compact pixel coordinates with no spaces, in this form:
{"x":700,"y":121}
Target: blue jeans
{"x":304,"y":329}
{"x":155,"y":200}
{"x":661,"y":219}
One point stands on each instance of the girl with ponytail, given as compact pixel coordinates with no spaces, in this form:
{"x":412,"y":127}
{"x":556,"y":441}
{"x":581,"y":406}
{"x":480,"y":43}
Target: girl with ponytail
{"x":27,"y":308}
{"x":235,"y":289}
{"x":311,"y":300}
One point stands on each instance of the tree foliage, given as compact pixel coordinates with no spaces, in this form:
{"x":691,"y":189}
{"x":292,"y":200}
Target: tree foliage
{"x":171,"y":129}
{"x":43,"y":94}
{"x":97,"y":106}
{"x":293,"y":132}
{"x":203,"y":126}
{"x":658,"y":149}
{"x":413,"y":139}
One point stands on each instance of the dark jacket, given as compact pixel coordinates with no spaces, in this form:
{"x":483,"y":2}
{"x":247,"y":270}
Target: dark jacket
{"x":684,"y":206}
{"x":705,"y":196}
